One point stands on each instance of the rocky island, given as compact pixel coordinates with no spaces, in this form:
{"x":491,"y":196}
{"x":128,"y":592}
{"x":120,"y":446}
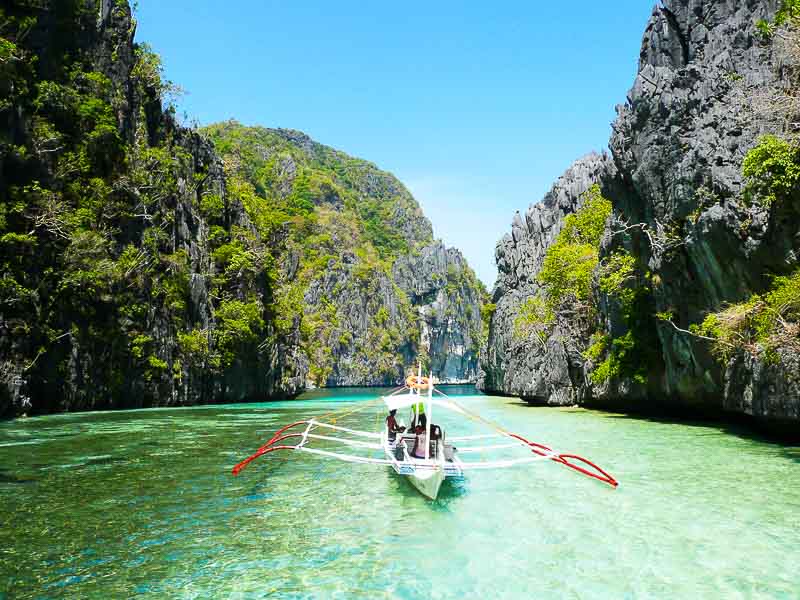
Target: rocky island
{"x":149,"y":264}
{"x":688,"y":298}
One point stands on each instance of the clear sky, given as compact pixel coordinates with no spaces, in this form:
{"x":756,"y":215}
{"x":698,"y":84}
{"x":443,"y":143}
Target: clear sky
{"x":476,"y":106}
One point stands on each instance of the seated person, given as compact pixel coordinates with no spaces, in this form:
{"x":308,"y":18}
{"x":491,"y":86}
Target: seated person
{"x":392,"y":426}
{"x":419,"y":441}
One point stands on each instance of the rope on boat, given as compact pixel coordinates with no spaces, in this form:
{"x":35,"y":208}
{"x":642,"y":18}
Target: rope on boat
{"x":544,"y":451}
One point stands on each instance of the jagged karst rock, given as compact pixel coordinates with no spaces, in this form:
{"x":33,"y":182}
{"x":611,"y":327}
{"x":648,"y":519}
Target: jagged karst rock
{"x":549,"y":372}
{"x":686,"y":128}
{"x":677,"y":149}
{"x":80,"y":369}
{"x":446,"y":295}
{"x":387,"y":293}
{"x":764,"y":389}
{"x":152,"y":264}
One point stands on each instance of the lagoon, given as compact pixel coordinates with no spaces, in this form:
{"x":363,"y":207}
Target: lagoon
{"x":142,"y":504}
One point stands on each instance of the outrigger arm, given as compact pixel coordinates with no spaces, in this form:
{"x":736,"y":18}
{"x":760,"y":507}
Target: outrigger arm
{"x":371,"y":441}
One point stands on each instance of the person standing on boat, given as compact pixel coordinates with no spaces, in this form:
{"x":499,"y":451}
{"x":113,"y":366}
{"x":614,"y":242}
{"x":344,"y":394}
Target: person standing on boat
{"x":392,"y":425}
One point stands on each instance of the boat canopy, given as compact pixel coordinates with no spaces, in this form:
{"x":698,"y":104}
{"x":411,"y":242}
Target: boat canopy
{"x":404,"y":400}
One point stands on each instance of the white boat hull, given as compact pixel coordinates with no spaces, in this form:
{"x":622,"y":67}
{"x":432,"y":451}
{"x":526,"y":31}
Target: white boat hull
{"x":428,"y":481}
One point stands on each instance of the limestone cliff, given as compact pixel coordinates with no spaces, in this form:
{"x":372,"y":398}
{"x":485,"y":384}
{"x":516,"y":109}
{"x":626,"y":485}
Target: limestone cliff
{"x":374,"y":291}
{"x":675,"y":182}
{"x":549,"y":371}
{"x":111,"y":297}
{"x":447,"y":297}
{"x":139,"y":266}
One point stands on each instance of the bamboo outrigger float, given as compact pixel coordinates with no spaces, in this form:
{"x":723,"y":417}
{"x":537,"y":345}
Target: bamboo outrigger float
{"x":427,"y":461}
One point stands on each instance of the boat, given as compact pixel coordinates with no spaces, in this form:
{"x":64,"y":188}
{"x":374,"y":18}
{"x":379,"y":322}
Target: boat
{"x":423,"y":453}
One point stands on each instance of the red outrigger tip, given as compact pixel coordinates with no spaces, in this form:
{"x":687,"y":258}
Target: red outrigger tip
{"x":270,"y":446}
{"x":543,"y":450}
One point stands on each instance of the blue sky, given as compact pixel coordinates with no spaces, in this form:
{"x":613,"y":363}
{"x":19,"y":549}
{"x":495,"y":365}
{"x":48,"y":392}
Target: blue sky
{"x":476,"y":106}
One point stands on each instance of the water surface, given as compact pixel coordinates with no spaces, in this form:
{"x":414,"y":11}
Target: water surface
{"x":142,"y":504}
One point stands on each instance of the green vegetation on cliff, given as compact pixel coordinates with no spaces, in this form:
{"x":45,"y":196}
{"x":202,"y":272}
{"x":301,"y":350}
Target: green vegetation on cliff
{"x":139,"y":266}
{"x":344,"y":224}
{"x":535,"y":317}
{"x":571,"y":260}
{"x":300,"y":179}
{"x":762,"y":325}
{"x":767,"y":322}
{"x":566,"y":273}
{"x":104,"y":270}
{"x":627,"y":287}
{"x":772,"y":170}
{"x":788,"y":12}
{"x":571,"y":273}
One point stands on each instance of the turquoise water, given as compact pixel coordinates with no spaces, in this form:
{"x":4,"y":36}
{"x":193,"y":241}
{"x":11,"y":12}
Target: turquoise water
{"x":142,"y":504}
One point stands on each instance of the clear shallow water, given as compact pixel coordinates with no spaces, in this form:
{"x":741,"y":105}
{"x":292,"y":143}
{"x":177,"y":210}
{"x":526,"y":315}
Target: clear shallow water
{"x":142,"y":503}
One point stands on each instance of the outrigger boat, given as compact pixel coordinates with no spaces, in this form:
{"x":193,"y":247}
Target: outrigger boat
{"x":427,"y":461}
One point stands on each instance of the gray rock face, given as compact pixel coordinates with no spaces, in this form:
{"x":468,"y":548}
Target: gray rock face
{"x":677,"y":149}
{"x":549,"y":372}
{"x":687,"y":122}
{"x":428,"y":309}
{"x":445,"y":295}
{"x":764,"y":390}
{"x":679,"y":143}
{"x":367,"y":344}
